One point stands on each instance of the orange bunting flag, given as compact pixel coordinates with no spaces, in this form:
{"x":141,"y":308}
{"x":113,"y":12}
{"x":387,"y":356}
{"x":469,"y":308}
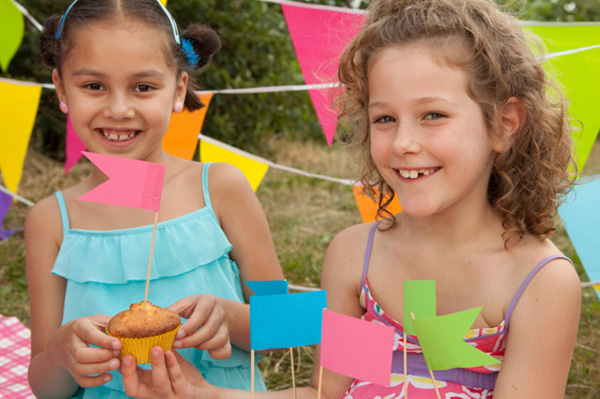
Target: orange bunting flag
{"x":18,"y":109}
{"x":133,"y":183}
{"x":214,"y":151}
{"x":368,"y":207}
{"x":181,"y":139}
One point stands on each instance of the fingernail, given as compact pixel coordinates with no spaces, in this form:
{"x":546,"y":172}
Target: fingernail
{"x":177,"y":345}
{"x":155,"y":353}
{"x":116,"y":345}
{"x":181,"y":333}
{"x":116,"y":353}
{"x":113,"y":364}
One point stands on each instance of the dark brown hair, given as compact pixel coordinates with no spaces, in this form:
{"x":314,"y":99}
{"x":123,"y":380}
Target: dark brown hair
{"x":204,"y":40}
{"x":532,"y":175}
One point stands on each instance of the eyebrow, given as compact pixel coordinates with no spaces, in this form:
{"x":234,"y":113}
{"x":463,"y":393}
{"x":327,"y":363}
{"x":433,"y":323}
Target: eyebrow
{"x":418,"y":101}
{"x":139,"y":75}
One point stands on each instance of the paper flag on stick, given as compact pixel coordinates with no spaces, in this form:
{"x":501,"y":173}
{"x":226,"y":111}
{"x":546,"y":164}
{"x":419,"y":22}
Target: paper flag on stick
{"x":132,"y":183}
{"x":419,"y":299}
{"x":268,"y":287}
{"x":582,"y":222}
{"x":441,"y":339}
{"x":368,"y":208}
{"x":357,"y":348}
{"x":73,"y":146}
{"x":253,"y":169}
{"x":18,"y":109}
{"x":288,"y":320}
{"x":12,"y":29}
{"x":181,"y":138}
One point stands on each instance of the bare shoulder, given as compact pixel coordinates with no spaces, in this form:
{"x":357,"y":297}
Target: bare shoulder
{"x":45,"y":215}
{"x":225,"y":177}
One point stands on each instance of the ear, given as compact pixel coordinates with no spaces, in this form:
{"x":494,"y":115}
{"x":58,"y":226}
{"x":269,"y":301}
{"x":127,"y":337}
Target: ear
{"x":181,"y":87}
{"x":58,"y":85}
{"x":511,"y":117}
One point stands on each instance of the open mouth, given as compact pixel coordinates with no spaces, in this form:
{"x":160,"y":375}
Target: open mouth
{"x":416,"y":173}
{"x":119,"y":135}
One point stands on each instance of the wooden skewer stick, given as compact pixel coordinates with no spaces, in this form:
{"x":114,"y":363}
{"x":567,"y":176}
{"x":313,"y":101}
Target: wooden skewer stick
{"x":151,"y":253}
{"x":405,"y":371}
{"x":252,"y":373}
{"x":320,"y":382}
{"x":437,"y":392}
{"x":293,"y":374}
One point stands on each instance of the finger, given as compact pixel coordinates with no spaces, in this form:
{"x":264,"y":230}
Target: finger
{"x":86,"y":381}
{"x":93,"y":355}
{"x":178,"y":380}
{"x":131,"y":381}
{"x":223,"y":352}
{"x":85,"y":370}
{"x":160,"y":375}
{"x":214,"y":329}
{"x":89,"y":333}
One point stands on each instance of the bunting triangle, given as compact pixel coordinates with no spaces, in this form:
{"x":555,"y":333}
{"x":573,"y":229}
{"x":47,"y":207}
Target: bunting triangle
{"x":368,"y":207}
{"x":319,"y":37}
{"x":181,"y":138}
{"x":18,"y":109}
{"x":213,"y":151}
{"x":73,"y":146}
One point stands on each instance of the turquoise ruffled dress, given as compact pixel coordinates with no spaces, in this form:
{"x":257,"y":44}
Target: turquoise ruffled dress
{"x":106,"y":271}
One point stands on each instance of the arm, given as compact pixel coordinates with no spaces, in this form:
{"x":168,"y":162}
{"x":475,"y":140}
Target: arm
{"x":245,"y":225}
{"x":60,"y":358}
{"x":542,"y":335}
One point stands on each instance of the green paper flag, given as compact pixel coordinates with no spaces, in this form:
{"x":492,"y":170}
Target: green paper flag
{"x":419,"y":299}
{"x":12,"y":28}
{"x":574,"y":58}
{"x":441,"y":339}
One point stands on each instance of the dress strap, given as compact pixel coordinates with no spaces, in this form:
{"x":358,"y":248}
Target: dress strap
{"x":525,"y":283}
{"x":205,"y":191}
{"x":63,"y":211}
{"x":368,"y":254}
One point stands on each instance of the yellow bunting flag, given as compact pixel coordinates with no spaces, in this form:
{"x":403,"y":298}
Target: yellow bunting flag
{"x":213,"y":151}
{"x":181,"y":138}
{"x":163,"y":2}
{"x":18,"y":109}
{"x":12,"y":29}
{"x":368,"y":208}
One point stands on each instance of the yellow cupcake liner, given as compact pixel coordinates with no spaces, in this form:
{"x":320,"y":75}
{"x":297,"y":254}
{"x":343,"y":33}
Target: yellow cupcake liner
{"x":140,"y":347}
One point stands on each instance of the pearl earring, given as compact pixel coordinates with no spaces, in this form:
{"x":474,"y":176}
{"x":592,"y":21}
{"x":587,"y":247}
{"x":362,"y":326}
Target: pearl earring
{"x":64,"y":108}
{"x":177,"y":108}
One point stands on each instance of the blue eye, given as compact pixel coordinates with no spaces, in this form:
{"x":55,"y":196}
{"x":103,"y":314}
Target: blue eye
{"x":434,"y":116}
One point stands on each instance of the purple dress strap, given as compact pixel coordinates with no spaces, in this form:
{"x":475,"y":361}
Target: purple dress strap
{"x":525,"y":283}
{"x":368,"y":255}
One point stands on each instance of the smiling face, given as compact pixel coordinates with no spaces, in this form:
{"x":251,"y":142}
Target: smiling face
{"x":120,"y":90}
{"x":429,"y":139}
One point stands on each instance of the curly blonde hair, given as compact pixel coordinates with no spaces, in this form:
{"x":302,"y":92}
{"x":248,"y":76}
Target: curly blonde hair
{"x":528,"y":179}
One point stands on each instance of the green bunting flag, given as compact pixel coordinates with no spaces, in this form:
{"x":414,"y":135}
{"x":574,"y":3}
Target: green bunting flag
{"x":12,"y":29}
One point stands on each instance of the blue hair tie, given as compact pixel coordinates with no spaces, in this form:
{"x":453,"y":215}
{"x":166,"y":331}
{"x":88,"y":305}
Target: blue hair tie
{"x":171,"y":20}
{"x":191,"y":58}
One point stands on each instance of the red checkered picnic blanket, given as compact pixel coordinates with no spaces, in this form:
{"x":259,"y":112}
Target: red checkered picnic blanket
{"x":15,"y":349}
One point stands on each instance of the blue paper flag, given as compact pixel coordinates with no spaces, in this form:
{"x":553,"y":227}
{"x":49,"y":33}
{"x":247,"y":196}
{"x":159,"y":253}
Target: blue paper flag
{"x":285,"y":321}
{"x":268,"y":287}
{"x":581,"y":218}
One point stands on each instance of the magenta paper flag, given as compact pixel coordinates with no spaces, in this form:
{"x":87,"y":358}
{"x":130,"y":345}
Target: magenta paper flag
{"x":133,"y":183}
{"x":319,"y":37}
{"x":73,"y":146}
{"x":357,"y":348}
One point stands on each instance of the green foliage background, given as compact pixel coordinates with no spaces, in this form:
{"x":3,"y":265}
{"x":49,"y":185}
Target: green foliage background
{"x":257,"y":51}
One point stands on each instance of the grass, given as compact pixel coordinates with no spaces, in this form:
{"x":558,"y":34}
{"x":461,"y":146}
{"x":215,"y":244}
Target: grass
{"x":304,"y":215}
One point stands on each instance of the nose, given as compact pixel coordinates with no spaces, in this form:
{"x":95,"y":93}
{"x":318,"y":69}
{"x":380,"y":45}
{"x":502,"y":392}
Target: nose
{"x":405,"y":140}
{"x":118,"y":107}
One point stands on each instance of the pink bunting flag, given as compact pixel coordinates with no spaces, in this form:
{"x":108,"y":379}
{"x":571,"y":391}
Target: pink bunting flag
{"x":319,"y":37}
{"x":357,"y":348}
{"x":133,"y":183}
{"x":73,"y":146}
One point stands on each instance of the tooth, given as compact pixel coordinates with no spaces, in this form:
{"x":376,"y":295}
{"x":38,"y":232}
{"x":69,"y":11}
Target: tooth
{"x":404,"y":174}
{"x":426,"y":172}
{"x":414,"y":174}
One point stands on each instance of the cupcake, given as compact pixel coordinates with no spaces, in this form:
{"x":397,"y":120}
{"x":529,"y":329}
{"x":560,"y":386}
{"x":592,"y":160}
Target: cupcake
{"x":143,"y":326}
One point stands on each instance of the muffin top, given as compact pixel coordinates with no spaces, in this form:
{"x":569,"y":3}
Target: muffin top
{"x":143,"y":320}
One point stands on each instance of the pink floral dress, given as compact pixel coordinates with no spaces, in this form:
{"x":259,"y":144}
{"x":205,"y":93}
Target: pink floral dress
{"x":477,"y":382}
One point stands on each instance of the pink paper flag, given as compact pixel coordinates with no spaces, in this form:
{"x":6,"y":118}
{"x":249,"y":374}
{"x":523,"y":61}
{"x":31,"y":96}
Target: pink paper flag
{"x":133,"y":183}
{"x":319,"y":37}
{"x":73,"y":146}
{"x":357,"y":348}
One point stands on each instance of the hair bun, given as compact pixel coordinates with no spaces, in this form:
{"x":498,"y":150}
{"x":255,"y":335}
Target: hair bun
{"x":204,"y":41}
